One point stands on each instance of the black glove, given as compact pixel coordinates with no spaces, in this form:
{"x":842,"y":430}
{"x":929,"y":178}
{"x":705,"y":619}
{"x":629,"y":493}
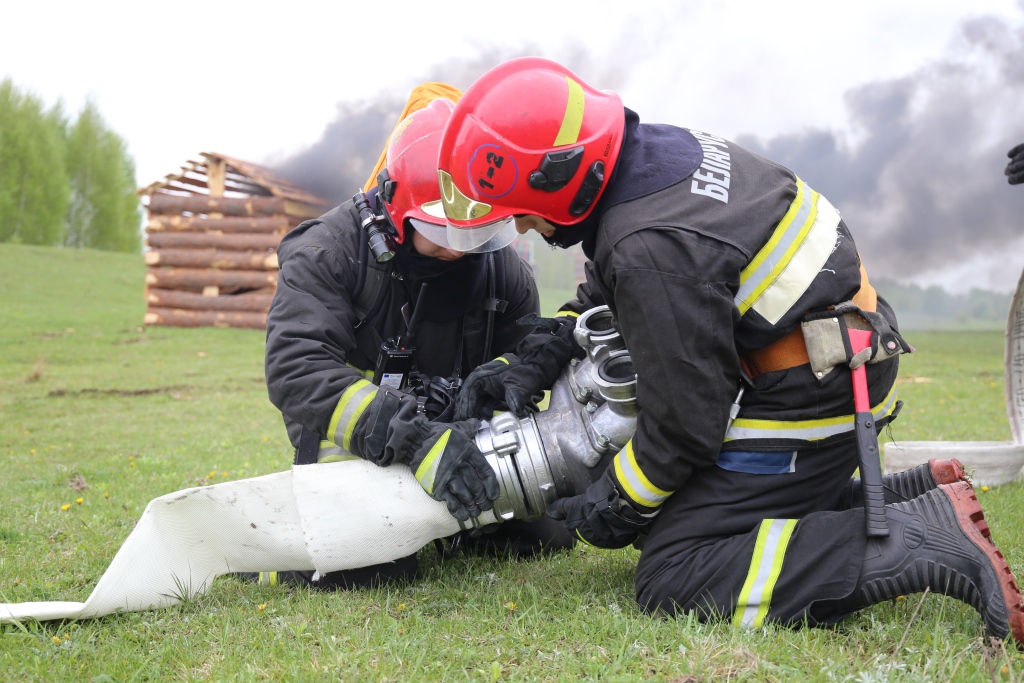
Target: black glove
{"x":515,"y":378}
{"x":600,"y":516}
{"x":449,"y":467}
{"x":1015,"y":169}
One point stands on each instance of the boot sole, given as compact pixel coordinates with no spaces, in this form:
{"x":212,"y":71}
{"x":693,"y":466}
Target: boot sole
{"x":972,"y":521}
{"x":947,"y":471}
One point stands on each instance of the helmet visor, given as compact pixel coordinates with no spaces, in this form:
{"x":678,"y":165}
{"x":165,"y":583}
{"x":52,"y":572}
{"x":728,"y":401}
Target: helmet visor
{"x":437,"y":234}
{"x":483,"y":238}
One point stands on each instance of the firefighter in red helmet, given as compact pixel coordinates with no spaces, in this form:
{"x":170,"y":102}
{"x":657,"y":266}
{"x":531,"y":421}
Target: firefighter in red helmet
{"x":337,"y":300}
{"x":736,"y":287}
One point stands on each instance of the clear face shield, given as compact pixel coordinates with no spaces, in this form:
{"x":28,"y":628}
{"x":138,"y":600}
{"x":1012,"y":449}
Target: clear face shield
{"x":478,"y":240}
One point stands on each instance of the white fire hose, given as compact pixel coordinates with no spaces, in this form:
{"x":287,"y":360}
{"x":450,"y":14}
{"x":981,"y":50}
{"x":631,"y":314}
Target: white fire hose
{"x":991,"y":462}
{"x":349,"y":514}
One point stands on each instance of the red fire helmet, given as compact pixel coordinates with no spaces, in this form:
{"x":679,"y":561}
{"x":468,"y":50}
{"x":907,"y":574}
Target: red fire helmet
{"x":529,"y":137}
{"x":408,"y":184}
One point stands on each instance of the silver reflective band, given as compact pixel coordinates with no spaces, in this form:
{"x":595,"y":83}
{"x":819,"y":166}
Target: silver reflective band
{"x":784,"y":269}
{"x":765,"y":568}
{"x":805,"y":430}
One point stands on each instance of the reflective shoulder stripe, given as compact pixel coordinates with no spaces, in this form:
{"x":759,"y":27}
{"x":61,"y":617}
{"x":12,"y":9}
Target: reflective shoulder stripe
{"x":805,"y":430}
{"x":350,"y":407}
{"x":567,"y":314}
{"x":785,"y":267}
{"x":427,"y":470}
{"x":330,"y":453}
{"x":502,"y":359}
{"x":765,"y":566}
{"x":636,"y":484}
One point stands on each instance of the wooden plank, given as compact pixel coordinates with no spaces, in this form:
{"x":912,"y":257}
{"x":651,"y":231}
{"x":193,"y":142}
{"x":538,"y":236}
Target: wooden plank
{"x":212,"y":258}
{"x":195,"y":279}
{"x":169,"y":298}
{"x":215,"y":172}
{"x":212,"y":240}
{"x":179,"y":317}
{"x":231,"y":206}
{"x":263,"y":224}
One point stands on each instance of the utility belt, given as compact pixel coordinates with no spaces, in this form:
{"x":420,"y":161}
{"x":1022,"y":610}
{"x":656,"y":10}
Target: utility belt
{"x":820,"y":341}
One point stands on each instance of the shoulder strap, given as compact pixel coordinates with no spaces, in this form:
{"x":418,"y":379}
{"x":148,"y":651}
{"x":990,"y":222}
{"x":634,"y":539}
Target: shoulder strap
{"x":374,"y":283}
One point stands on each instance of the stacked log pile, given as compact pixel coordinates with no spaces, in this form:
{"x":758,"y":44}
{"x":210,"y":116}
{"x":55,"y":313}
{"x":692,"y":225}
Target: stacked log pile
{"x":211,"y":257}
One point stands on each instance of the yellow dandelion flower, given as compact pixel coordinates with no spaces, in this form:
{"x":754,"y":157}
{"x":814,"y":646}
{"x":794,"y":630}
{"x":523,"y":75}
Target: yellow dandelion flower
{"x":266,"y":439}
{"x":33,"y":451}
{"x":79,"y":501}
{"x":510,"y":606}
{"x":106,"y":495}
{"x":985,"y":489}
{"x":899,"y":597}
{"x":52,"y":448}
{"x":65,"y":507}
{"x":67,"y":636}
{"x":261,"y":607}
{"x":212,"y":474}
{"x":56,"y":640}
{"x":131,"y":463}
{"x":401,"y":606}
{"x":223,"y":474}
{"x":246,"y":463}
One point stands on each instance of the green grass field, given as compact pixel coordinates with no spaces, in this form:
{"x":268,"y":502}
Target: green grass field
{"x":91,"y":401}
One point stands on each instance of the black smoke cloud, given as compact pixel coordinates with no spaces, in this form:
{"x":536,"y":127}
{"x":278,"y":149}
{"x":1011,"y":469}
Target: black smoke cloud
{"x":341,"y":160}
{"x":924,"y":189}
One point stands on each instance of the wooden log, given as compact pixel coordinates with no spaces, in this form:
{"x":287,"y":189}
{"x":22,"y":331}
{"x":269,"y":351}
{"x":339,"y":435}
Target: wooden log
{"x":212,"y":258}
{"x":233,"y":242}
{"x":270,"y":224}
{"x":230,"y":206}
{"x":194,"y":279}
{"x":179,"y":317}
{"x":169,"y":298}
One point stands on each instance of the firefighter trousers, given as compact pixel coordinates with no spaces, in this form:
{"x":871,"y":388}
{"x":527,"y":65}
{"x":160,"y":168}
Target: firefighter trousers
{"x":756,"y":548}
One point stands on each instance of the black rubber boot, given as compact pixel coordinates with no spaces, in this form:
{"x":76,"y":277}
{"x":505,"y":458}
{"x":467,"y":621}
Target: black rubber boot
{"x":940,"y":541}
{"x":910,"y":484}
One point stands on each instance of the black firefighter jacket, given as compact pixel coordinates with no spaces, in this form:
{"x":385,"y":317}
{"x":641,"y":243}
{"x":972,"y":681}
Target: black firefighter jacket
{"x":315,"y":358}
{"x":684,"y":269}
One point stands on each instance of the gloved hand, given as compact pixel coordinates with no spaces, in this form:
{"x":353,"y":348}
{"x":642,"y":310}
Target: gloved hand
{"x":1015,"y":169}
{"x":449,"y":467}
{"x":502,"y":379}
{"x":600,"y":516}
{"x":515,"y":378}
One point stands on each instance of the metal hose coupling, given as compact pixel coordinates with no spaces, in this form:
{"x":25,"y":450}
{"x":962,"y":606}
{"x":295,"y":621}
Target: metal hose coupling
{"x":560,"y":451}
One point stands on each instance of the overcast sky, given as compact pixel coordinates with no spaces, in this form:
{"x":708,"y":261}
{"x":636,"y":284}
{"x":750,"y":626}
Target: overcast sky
{"x":262,"y":81}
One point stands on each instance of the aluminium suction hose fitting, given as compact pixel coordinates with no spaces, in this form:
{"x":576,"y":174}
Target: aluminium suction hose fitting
{"x":560,"y":451}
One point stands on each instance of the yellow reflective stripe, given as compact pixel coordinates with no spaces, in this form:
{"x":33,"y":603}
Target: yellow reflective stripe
{"x":428,"y":468}
{"x":329,"y":452}
{"x":765,"y":567}
{"x":268,"y":578}
{"x":572,"y":121}
{"x":368,"y":374}
{"x":771,"y":262}
{"x":502,"y":359}
{"x":580,"y":536}
{"x":567,"y":314}
{"x":633,"y":480}
{"x":350,"y":408}
{"x":805,"y":430}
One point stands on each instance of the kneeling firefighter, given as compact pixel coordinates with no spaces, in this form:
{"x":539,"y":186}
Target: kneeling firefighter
{"x":765,"y":363}
{"x":376,"y":319}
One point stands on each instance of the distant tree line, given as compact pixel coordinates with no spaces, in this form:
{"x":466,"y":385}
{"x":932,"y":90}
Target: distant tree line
{"x":64,"y":182}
